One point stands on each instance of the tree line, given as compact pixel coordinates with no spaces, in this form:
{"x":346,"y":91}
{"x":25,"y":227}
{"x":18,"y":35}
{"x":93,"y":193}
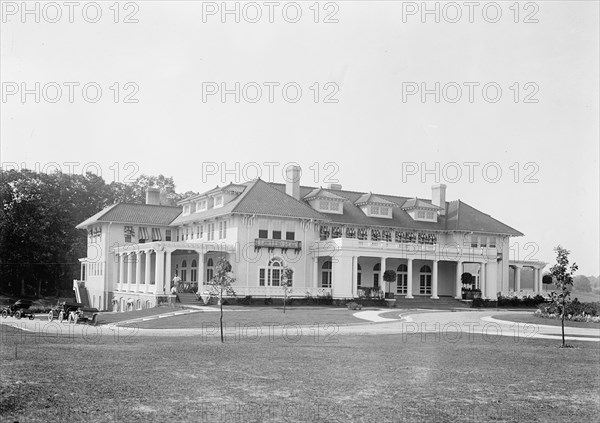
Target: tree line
{"x":39,"y":244}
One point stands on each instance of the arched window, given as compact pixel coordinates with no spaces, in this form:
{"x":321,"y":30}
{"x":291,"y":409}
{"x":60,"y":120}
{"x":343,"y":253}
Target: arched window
{"x":148,"y":304}
{"x":184,"y":271}
{"x":138,"y":305}
{"x":401,"y":279}
{"x":326,"y":274}
{"x":194,"y":271}
{"x":210,"y":268}
{"x":376,"y":271}
{"x":358,"y":275}
{"x":425,"y":280}
{"x":271,"y":275}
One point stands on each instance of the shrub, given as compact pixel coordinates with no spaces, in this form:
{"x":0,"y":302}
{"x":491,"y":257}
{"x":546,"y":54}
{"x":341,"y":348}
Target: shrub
{"x":247,"y":300}
{"x":575,"y":311}
{"x":353,"y":306}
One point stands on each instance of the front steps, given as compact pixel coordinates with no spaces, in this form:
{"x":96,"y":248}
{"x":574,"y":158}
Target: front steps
{"x":188,"y":299}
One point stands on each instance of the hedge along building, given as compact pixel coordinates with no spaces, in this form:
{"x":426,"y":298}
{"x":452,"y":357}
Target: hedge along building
{"x":337,"y":242}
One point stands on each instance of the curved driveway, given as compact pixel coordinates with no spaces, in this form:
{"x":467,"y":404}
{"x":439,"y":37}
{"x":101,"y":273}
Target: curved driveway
{"x":431,"y":324}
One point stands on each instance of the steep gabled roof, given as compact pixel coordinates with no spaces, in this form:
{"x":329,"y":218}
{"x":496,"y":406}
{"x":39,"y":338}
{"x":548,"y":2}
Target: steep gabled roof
{"x":463,"y":217}
{"x":143,"y":214}
{"x":264,"y":199}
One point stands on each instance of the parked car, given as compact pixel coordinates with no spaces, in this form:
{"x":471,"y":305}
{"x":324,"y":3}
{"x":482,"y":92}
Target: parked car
{"x":19,"y":309}
{"x":73,"y":312}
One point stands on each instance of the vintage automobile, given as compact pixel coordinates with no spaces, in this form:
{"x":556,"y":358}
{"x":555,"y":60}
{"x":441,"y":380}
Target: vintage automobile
{"x":73,"y":312}
{"x":19,"y":309}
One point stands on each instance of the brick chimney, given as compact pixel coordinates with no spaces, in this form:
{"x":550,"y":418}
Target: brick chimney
{"x":292,"y":181}
{"x":153,"y":196}
{"x":438,"y":197}
{"x":336,"y":187}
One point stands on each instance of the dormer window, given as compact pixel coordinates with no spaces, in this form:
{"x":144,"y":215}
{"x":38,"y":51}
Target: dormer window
{"x":421,"y":210}
{"x":201,"y":205}
{"x":186,"y":209}
{"x":218,"y":201}
{"x":375,"y":206}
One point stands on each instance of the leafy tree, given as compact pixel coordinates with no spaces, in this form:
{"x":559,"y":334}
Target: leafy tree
{"x":466,"y":278}
{"x":582,"y":284}
{"x":221,"y":283}
{"x":287,"y":275}
{"x":563,"y":277}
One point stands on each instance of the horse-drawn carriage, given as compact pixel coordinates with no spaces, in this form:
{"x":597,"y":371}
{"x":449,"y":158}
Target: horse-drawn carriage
{"x":19,"y":309}
{"x":73,"y":312}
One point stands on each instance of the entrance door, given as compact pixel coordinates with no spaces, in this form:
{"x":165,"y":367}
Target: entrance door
{"x":425,"y":280}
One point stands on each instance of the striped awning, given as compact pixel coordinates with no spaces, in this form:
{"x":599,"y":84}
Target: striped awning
{"x":143,"y":233}
{"x":156,"y":236}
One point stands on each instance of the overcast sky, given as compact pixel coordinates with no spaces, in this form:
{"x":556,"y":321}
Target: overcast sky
{"x":374,"y":133}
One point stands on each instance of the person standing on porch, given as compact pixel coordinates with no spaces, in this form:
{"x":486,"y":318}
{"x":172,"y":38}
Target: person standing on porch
{"x":176,"y":281}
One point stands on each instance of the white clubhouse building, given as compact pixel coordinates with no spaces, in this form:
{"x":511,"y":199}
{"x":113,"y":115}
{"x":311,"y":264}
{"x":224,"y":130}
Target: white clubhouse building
{"x":337,"y":242}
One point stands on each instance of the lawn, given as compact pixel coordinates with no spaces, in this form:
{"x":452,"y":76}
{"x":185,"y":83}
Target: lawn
{"x":259,"y":316}
{"x":536,"y":320}
{"x":368,"y":378}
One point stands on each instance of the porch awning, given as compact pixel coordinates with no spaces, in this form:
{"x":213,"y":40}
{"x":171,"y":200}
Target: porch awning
{"x":156,"y":235}
{"x":143,"y":233}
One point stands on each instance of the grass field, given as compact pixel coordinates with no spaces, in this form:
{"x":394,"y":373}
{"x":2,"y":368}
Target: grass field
{"x":369,"y":378}
{"x":259,"y":316}
{"x":536,"y":320}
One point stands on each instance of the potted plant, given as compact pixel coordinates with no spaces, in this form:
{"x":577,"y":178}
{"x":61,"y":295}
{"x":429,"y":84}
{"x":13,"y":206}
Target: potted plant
{"x":389,"y":276}
{"x":467,"y":280}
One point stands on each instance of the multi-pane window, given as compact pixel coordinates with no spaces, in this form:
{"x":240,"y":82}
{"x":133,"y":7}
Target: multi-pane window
{"x":384,"y":211}
{"x":184,"y":271}
{"x":358,"y":276}
{"x":218,"y":201}
{"x":324,"y":232}
{"x":350,"y":232}
{"x":271,"y":275}
{"x":430,"y":215}
{"x":425,"y":280}
{"x":323,"y":205}
{"x":326,"y":274}
{"x":211,"y":231}
{"x":335,"y":206}
{"x":263,"y":233}
{"x":129,"y":232}
{"x":290,"y":236}
{"x":483,"y":241}
{"x":420,"y":214}
{"x":276,"y":234}
{"x":474,"y":241}
{"x":492,"y":243}
{"x":209,"y":269}
{"x":194,"y":271}
{"x":363,"y":234}
{"x":336,"y":232}
{"x":223,"y":229}
{"x":401,"y":279}
{"x":374,"y":209}
{"x":167,"y":234}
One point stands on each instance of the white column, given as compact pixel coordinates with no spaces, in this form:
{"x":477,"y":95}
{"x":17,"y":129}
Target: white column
{"x":409,"y":277}
{"x":160,"y":272}
{"x":536,"y":280}
{"x":168,"y":273}
{"x":316,"y":272}
{"x":138,"y":270}
{"x":434,"y":281}
{"x":200,"y":271}
{"x":147,"y":273}
{"x":129,"y":271}
{"x":121,"y":271}
{"x":517,"y":278}
{"x":381,"y":280}
{"x":482,"y":278}
{"x":81,"y":274}
{"x":355,"y":276}
{"x":458,"y":290}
